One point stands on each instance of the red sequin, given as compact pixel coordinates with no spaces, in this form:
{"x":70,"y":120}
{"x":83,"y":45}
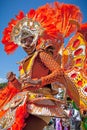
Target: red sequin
{"x":78,"y":61}
{"x":78,"y":52}
{"x":73,"y":75}
{"x":20,"y":67}
{"x":85,"y":89}
{"x":79,"y":83}
{"x":76,"y":43}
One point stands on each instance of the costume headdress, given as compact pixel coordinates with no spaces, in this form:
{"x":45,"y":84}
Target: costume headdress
{"x":45,"y":23}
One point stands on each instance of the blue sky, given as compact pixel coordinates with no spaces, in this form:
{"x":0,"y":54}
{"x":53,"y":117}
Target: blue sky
{"x":8,"y":10}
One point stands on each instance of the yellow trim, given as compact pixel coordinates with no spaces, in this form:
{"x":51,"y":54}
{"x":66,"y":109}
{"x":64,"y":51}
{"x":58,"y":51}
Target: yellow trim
{"x":27,"y":66}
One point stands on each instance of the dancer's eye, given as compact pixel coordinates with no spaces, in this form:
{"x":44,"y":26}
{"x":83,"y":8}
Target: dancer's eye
{"x":23,"y":41}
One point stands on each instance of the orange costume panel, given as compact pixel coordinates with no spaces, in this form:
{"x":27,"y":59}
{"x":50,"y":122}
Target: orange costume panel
{"x":7,"y":93}
{"x":44,"y":67}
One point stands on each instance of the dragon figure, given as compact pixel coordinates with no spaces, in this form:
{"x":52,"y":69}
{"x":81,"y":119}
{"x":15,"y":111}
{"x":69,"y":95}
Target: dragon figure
{"x":48,"y":69}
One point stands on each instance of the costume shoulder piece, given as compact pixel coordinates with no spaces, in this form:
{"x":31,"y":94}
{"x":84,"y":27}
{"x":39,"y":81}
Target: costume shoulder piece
{"x":74,"y":63}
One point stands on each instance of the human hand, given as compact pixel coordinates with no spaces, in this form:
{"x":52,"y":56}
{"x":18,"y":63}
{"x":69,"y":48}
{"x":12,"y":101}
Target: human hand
{"x":32,"y":81}
{"x":10,"y":76}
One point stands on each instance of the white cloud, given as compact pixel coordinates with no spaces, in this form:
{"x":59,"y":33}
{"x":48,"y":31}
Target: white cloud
{"x":2,"y":80}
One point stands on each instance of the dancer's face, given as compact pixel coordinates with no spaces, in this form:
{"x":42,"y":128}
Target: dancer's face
{"x":28,"y":46}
